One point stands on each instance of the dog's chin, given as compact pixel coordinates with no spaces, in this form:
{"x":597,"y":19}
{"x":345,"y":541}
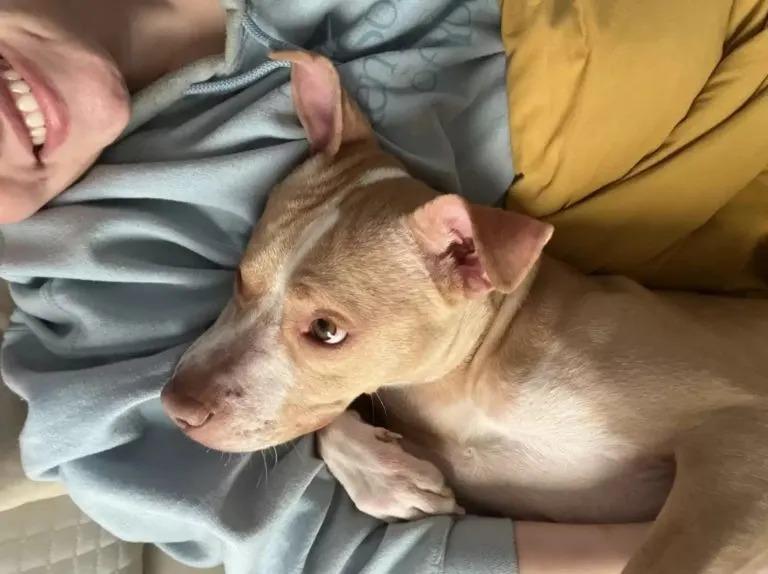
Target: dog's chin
{"x":225,"y":438}
{"x":240,"y":448}
{"x":245,"y":440}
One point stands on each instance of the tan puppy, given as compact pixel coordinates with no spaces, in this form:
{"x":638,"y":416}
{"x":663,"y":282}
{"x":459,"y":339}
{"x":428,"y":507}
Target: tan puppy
{"x":533,"y":391}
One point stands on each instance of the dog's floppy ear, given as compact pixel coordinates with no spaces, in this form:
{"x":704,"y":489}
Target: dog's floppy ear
{"x":475,"y":248}
{"x":329,"y":117}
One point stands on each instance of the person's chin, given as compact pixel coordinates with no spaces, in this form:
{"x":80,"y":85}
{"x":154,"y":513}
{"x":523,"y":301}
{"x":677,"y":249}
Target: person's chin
{"x":18,"y":203}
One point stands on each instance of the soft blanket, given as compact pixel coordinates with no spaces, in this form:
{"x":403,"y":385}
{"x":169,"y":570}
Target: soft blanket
{"x":15,"y":488}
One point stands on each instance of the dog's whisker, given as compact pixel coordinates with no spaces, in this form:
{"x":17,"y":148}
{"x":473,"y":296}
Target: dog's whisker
{"x":383,"y":406}
{"x":266,"y":468}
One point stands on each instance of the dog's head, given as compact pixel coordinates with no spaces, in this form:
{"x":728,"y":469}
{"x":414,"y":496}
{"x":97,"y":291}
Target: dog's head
{"x":356,"y":277}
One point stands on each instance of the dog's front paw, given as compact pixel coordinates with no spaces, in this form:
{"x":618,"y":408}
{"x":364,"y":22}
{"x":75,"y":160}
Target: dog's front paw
{"x":381,"y":478}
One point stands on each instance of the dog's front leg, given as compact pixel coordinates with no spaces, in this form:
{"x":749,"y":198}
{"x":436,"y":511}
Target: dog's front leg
{"x":381,"y":478}
{"x":715,"y":520}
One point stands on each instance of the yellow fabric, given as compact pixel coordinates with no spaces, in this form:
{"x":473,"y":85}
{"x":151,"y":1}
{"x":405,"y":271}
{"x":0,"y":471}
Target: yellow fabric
{"x":640,"y":128}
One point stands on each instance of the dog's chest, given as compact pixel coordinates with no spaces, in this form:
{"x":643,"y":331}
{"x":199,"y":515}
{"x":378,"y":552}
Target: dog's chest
{"x":544,"y":456}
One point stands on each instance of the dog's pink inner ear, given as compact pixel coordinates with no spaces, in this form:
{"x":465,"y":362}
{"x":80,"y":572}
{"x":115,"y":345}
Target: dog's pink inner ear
{"x":443,"y":227}
{"x":316,"y":95}
{"x":326,"y":113}
{"x":486,"y":248}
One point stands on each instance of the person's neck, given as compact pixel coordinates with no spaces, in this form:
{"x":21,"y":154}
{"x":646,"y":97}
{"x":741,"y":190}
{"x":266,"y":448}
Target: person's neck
{"x":161,"y":36}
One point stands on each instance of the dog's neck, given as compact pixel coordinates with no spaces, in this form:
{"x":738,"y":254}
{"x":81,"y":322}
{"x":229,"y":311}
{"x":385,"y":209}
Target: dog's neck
{"x":477,"y":332}
{"x":506,"y":308}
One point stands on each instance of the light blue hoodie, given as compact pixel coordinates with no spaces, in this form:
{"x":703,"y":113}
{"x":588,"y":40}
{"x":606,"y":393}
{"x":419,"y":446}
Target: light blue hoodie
{"x":121,"y":273}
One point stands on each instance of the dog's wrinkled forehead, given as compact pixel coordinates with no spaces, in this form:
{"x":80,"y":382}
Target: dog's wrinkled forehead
{"x":303,"y":215}
{"x":307,"y":233}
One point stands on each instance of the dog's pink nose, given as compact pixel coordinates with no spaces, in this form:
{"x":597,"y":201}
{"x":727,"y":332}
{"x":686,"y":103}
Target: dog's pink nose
{"x":185,"y":411}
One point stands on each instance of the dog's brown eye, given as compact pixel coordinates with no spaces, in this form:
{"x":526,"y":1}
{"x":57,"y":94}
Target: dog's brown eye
{"x":326,"y":331}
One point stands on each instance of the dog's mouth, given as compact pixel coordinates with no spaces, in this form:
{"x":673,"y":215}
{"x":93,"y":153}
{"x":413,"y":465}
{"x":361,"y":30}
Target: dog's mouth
{"x":225,"y":433}
{"x":226,"y":436}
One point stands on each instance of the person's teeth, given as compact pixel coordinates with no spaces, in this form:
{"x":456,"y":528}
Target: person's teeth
{"x":38,"y":135}
{"x":19,"y":87}
{"x":34,"y":120}
{"x":26,"y":103}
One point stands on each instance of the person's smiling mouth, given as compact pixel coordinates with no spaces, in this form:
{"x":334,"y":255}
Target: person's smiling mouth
{"x":26,"y":103}
{"x":34,"y":109}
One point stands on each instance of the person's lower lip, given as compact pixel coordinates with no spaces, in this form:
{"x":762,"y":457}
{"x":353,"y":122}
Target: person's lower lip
{"x":51,"y":104}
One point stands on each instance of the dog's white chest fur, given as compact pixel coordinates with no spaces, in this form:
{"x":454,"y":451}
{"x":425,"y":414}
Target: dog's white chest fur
{"x":548,"y":456}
